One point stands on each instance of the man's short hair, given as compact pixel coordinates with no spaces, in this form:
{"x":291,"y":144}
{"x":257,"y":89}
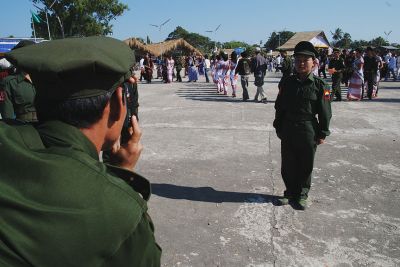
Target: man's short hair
{"x":81,"y":113}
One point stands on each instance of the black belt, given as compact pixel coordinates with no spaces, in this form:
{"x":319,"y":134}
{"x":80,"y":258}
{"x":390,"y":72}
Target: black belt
{"x":299,"y":117}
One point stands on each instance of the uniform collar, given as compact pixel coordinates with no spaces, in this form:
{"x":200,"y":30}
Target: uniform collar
{"x":59,"y":134}
{"x":21,"y":77}
{"x":310,"y":77}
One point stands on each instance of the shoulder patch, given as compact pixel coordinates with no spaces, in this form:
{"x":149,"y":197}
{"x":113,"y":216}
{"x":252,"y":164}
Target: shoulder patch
{"x":327,"y":92}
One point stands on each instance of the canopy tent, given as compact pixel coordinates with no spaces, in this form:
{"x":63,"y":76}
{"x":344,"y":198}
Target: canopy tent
{"x":389,"y":47}
{"x":138,"y":46}
{"x":162,"y":48}
{"x":6,"y":44}
{"x":317,"y":38}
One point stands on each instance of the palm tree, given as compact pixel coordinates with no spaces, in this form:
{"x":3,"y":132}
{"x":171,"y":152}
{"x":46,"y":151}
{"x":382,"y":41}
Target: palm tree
{"x":346,"y":40}
{"x":337,"y":34}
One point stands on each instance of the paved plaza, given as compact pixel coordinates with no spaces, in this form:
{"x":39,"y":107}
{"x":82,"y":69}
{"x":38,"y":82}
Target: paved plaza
{"x":214,"y":165}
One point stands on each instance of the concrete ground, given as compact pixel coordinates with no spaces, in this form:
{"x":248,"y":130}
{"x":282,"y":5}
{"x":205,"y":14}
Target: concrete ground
{"x":214,"y":163}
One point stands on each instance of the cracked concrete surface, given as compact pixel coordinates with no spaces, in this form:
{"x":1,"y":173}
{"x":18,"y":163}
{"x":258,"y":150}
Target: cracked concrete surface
{"x":214,"y":163}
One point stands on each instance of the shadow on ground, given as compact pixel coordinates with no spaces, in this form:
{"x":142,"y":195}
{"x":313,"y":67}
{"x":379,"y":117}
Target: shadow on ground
{"x":209,"y":194}
{"x":201,"y":92}
{"x":384,"y":100}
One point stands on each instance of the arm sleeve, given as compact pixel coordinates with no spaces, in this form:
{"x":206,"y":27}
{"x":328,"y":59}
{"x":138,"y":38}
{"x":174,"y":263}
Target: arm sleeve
{"x":285,"y":65}
{"x":239,"y":66}
{"x":139,"y":249}
{"x":342,"y":64}
{"x":324,"y":111}
{"x":279,"y":112}
{"x":6,"y":105}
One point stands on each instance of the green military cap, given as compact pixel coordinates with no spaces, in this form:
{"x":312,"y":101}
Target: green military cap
{"x":305,"y":48}
{"x":75,"y":68}
{"x":336,"y":50}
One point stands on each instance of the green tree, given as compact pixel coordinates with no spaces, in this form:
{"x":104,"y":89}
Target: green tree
{"x":234,"y":44}
{"x":337,"y":35}
{"x":378,"y":41}
{"x":179,"y":32}
{"x":148,"y":41}
{"x":277,"y":39}
{"x":358,"y":44}
{"x":345,"y":42}
{"x":140,"y":39}
{"x":201,"y":42}
{"x":78,"y":17}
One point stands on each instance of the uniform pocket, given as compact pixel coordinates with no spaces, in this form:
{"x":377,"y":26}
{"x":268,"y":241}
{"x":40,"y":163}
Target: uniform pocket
{"x":309,"y":95}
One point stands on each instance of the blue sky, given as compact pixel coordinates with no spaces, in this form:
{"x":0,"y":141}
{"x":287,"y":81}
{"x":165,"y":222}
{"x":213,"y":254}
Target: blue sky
{"x":249,"y":21}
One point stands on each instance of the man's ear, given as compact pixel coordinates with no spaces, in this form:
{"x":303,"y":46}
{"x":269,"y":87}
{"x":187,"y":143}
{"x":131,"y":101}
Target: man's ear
{"x":117,"y":105}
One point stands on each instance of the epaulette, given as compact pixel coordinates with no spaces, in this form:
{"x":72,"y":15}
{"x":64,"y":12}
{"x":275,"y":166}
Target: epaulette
{"x":319,"y":81}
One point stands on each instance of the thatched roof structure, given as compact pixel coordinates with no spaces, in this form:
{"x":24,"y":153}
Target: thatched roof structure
{"x":159,"y":49}
{"x":138,"y":46}
{"x":317,"y":38}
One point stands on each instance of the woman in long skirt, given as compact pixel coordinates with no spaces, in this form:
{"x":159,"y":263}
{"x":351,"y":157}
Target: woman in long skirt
{"x":148,"y":65}
{"x":201,"y":65}
{"x":221,"y":69}
{"x":193,"y":75}
{"x":170,"y":68}
{"x":232,"y":76}
{"x":214,"y":62}
{"x":357,"y":78}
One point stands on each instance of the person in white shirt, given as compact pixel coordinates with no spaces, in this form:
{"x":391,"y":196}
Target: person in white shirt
{"x":398,"y":66}
{"x":316,"y":67}
{"x":278,"y":61}
{"x":207,"y":65}
{"x":141,"y":66}
{"x":391,"y":67}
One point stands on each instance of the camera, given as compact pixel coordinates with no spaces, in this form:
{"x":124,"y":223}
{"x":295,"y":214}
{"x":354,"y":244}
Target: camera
{"x":131,"y":97}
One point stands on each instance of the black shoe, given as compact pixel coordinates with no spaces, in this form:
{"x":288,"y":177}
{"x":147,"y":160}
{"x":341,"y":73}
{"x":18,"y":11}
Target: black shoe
{"x":283,"y":201}
{"x":264,"y":100}
{"x":300,"y":204}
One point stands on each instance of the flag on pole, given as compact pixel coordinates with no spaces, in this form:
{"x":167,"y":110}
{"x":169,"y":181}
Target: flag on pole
{"x":36,"y":18}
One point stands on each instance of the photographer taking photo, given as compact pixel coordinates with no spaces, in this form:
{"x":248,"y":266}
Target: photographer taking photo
{"x":59,"y":205}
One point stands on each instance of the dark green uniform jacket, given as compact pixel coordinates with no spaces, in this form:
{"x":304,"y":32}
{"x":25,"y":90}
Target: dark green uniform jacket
{"x":17,"y":98}
{"x":303,"y":113}
{"x":303,"y":101}
{"x":338,"y":64}
{"x":287,"y":67}
{"x":60,"y":206}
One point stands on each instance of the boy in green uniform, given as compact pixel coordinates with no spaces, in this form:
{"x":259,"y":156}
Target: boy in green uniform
{"x":337,"y":64}
{"x":302,"y":117}
{"x":286,"y":66}
{"x":59,"y":205}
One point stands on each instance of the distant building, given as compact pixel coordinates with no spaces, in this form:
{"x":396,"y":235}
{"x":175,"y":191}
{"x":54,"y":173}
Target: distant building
{"x":317,"y":38}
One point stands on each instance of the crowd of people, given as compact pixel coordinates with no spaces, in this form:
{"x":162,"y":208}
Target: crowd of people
{"x":359,"y":71}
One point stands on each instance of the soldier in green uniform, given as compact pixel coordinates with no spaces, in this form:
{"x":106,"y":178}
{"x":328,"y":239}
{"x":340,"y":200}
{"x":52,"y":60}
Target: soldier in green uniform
{"x":59,"y":204}
{"x":17,"y":94}
{"x":286,"y":66}
{"x":303,"y":112}
{"x":337,"y":64}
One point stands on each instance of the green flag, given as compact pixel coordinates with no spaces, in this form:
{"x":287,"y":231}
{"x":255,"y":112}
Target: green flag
{"x":36,"y":18}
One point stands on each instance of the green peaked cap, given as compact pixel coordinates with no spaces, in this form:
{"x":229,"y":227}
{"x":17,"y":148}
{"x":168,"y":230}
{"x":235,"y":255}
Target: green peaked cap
{"x":75,"y":68}
{"x":305,"y":48}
